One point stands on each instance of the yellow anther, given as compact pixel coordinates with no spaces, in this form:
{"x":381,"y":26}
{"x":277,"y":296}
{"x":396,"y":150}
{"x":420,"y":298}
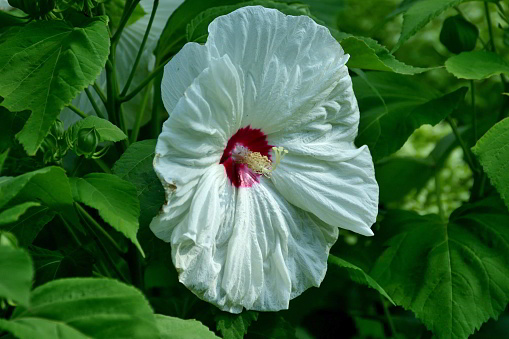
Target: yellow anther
{"x":258,"y":163}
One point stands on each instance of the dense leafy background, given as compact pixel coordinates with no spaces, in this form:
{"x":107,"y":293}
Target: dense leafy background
{"x":77,"y":259}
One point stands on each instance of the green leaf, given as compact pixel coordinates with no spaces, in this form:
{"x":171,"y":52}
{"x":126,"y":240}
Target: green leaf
{"x":409,"y":104}
{"x":14,"y":213}
{"x":85,"y":308}
{"x":51,"y":265}
{"x":106,"y":130}
{"x":28,"y":226}
{"x":458,"y":34}
{"x":492,"y":150}
{"x":114,"y":198}
{"x":197,"y":29}
{"x":176,"y":328}
{"x":366,"y":53}
{"x":49,"y":186}
{"x":420,"y":14}
{"x":16,"y":272}
{"x":45,"y":64}
{"x":3,"y":156}
{"x":476,"y":65}
{"x":453,"y":275}
{"x":115,"y":8}
{"x":357,"y":274}
{"x":234,"y":326}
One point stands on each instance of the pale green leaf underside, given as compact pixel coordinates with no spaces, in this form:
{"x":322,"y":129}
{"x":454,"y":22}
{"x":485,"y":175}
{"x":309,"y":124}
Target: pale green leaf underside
{"x":176,"y":328}
{"x":86,"y":308}
{"x":17,"y":272}
{"x":14,"y":213}
{"x":476,"y":65}
{"x":235,"y":326}
{"x":409,"y":104}
{"x":492,"y":150}
{"x":45,"y":64}
{"x":114,"y":198}
{"x":358,"y":275}
{"x":454,"y":276}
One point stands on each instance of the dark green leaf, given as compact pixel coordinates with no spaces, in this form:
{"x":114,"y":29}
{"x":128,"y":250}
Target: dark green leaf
{"x":492,"y":150}
{"x":458,"y":35}
{"x":176,"y":328}
{"x":16,"y":272}
{"x":45,"y":64}
{"x":85,"y":307}
{"x":235,"y":326}
{"x":453,"y":275}
{"x":114,"y":198}
{"x":3,"y":156}
{"x":409,"y":104}
{"x":357,"y":274}
{"x":30,"y":224}
{"x":476,"y":65}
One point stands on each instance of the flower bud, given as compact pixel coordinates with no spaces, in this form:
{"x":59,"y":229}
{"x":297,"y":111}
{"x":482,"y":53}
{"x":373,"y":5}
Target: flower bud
{"x":88,"y":139}
{"x":57,"y":129}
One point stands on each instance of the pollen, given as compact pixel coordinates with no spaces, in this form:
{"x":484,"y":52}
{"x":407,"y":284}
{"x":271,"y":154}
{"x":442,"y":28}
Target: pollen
{"x":258,"y":163}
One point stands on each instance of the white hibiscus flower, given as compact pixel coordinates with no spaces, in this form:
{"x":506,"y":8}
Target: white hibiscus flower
{"x":244,"y":234}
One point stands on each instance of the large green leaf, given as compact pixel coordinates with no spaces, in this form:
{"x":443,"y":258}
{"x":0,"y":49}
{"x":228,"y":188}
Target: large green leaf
{"x":49,"y":186}
{"x":409,"y":104}
{"x":16,"y":271}
{"x":453,"y":275}
{"x":106,"y":130}
{"x":420,"y":14}
{"x":476,"y":65}
{"x":357,"y":274}
{"x":366,"y":53}
{"x":114,"y":198}
{"x":235,"y":326}
{"x":176,"y":328}
{"x":14,"y":213}
{"x":492,"y":150}
{"x":45,"y":64}
{"x":84,"y":308}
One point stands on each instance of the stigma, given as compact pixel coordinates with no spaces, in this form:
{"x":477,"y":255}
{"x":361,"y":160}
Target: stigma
{"x":257,"y":162}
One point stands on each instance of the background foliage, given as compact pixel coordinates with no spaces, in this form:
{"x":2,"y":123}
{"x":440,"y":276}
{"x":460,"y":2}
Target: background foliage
{"x":77,"y":259}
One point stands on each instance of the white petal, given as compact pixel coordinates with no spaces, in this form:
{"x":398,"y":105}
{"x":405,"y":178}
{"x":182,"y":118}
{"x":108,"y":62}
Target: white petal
{"x":207,"y":115}
{"x":287,"y":64}
{"x":342,"y":192}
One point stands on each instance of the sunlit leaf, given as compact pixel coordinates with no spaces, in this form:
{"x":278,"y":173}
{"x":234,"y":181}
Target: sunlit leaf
{"x":176,"y":328}
{"x":14,"y":213}
{"x":16,"y":272}
{"x":476,"y":65}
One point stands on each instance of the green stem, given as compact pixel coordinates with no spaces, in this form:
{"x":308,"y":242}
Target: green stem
{"x":103,"y":165}
{"x":474,"y":113}
{"x":94,"y":105}
{"x":92,"y":221}
{"x":99,"y":92}
{"x":140,"y":113}
{"x":438,"y":189}
{"x":128,"y":11}
{"x":389,"y":318}
{"x":77,"y":111}
{"x":145,"y":82}
{"x":71,"y":232}
{"x":490,"y":29}
{"x":140,"y":51}
{"x":79,"y":162}
{"x":466,"y":151}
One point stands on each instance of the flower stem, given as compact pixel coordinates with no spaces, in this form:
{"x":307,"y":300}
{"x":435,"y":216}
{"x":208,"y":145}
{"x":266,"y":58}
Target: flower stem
{"x":145,"y":82}
{"x":102,"y":165}
{"x":389,"y":318}
{"x":140,"y":51}
{"x":94,"y":104}
{"x":490,"y":29}
{"x":141,"y":111}
{"x":88,"y":218}
{"x":128,"y":11}
{"x":466,"y":150}
{"x":438,"y":191}
{"x":99,"y":92}
{"x":77,"y":111}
